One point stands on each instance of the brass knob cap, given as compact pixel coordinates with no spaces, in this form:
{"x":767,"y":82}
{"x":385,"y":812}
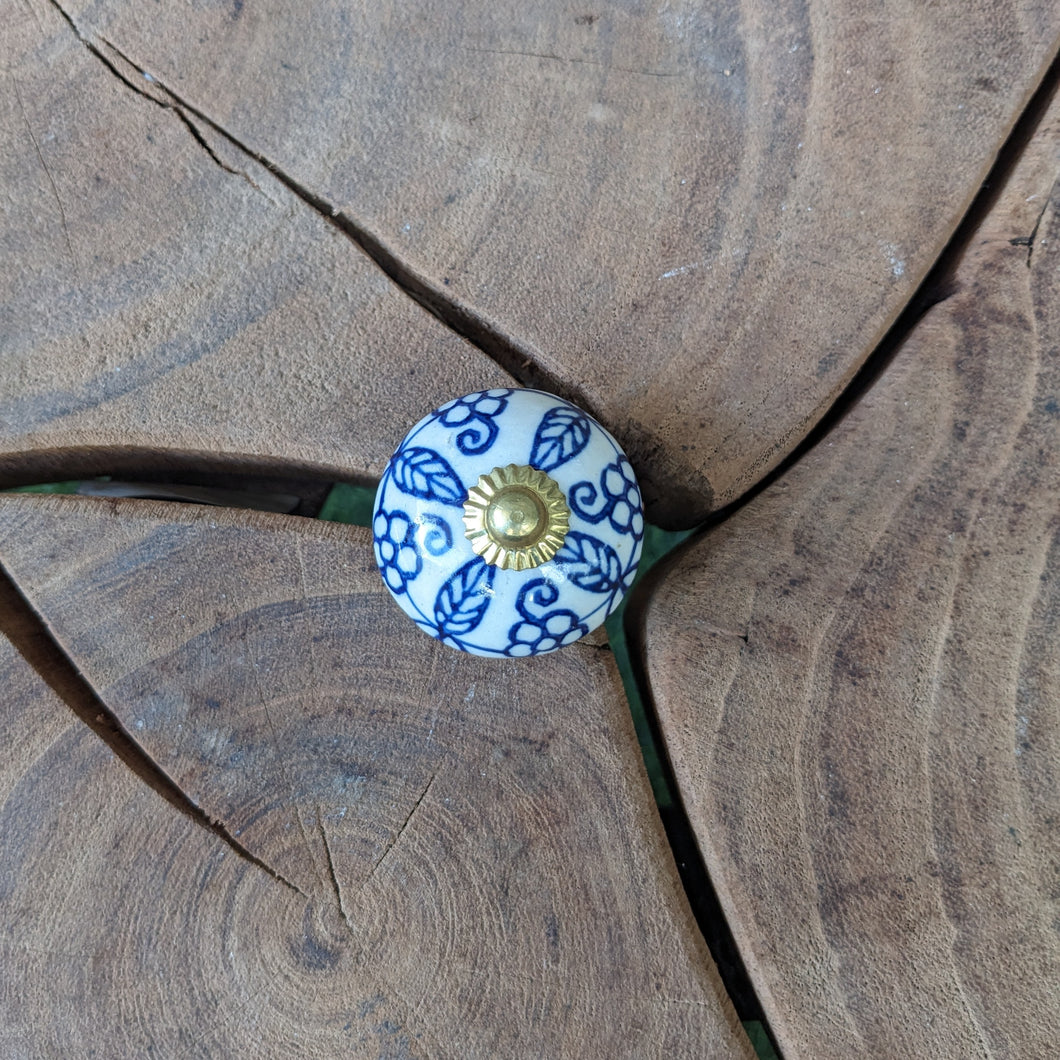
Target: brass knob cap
{"x":516,"y":517}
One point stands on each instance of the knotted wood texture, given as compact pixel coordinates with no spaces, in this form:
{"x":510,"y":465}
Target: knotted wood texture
{"x":416,"y":853}
{"x":695,"y":220}
{"x":858,"y":679}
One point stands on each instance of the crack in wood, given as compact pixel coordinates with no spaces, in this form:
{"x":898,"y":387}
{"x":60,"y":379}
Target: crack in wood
{"x":336,"y":886}
{"x":35,"y":642}
{"x":1032,"y":238}
{"x":48,"y":174}
{"x":400,"y":832}
{"x":518,"y":361}
{"x":577,"y":60}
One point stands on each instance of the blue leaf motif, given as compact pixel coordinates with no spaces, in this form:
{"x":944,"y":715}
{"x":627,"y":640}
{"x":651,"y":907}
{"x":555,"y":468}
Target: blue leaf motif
{"x":561,"y":435}
{"x":461,"y":603}
{"x":426,"y":474}
{"x":590,"y":563}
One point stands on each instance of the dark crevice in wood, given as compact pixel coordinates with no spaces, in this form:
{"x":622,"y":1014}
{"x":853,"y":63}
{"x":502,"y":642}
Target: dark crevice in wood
{"x":702,"y":896}
{"x":256,"y":500}
{"x":235,"y":472}
{"x":517,"y":361}
{"x":204,"y":144}
{"x":37,"y":645}
{"x":938,"y":285}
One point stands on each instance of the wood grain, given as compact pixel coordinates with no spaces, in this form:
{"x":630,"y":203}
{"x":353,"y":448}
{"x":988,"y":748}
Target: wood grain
{"x":159,"y":309}
{"x":454,"y":857}
{"x":858,"y":678}
{"x":696,"y":219}
{"x":112,"y":937}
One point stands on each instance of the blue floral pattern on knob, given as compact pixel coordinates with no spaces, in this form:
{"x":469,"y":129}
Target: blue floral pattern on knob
{"x":428,"y":563}
{"x":400,"y":544}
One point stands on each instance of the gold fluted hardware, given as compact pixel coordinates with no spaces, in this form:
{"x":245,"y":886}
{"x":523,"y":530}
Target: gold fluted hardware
{"x":516,"y":517}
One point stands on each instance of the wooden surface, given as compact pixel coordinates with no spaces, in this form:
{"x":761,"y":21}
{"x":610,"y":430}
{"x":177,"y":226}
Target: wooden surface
{"x":419,"y":853}
{"x":858,"y":677}
{"x":157,"y":310}
{"x":657,"y":210}
{"x":245,"y":810}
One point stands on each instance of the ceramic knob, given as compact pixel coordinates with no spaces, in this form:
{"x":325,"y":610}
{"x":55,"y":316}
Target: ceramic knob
{"x":508,"y":523}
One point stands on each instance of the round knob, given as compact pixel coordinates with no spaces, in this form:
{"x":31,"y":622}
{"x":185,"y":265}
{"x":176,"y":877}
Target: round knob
{"x":508,"y":522}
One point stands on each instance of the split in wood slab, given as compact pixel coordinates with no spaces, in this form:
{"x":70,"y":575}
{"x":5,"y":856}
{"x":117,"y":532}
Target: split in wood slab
{"x":858,"y":680}
{"x":461,"y":852}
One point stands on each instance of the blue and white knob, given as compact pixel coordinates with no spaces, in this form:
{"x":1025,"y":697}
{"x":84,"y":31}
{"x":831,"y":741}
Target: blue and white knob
{"x":508,"y":522}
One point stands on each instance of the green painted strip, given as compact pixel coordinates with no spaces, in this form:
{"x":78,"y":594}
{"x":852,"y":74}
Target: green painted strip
{"x":46,"y":487}
{"x":349,"y":504}
{"x":760,"y":1042}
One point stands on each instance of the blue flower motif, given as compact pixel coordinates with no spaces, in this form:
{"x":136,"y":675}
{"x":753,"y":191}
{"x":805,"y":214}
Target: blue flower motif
{"x":400,"y":543}
{"x":617,"y":500}
{"x":544,"y":630}
{"x":478,"y":411}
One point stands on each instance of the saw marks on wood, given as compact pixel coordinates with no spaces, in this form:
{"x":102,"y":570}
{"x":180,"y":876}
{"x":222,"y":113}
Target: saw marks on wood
{"x":858,"y":679}
{"x":165,"y":301}
{"x":697,"y":220}
{"x":461,"y":853}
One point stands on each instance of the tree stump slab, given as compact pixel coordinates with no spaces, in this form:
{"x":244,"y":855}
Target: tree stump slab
{"x":697,"y":222}
{"x":369,"y":843}
{"x":858,"y":680}
{"x":248,"y":810}
{"x":169,"y":309}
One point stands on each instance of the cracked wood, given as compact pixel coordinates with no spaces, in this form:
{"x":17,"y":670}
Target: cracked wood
{"x":167,"y":302}
{"x":697,"y":220}
{"x":871,"y":766}
{"x":483,"y":872}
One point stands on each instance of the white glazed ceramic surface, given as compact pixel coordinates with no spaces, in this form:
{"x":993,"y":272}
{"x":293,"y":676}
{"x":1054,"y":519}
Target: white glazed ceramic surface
{"x":428,"y":563}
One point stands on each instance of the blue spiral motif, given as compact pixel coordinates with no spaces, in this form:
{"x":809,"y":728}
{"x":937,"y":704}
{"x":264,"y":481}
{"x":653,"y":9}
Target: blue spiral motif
{"x":478,"y":411}
{"x":617,"y":500}
{"x":400,"y":544}
{"x":542,"y":630}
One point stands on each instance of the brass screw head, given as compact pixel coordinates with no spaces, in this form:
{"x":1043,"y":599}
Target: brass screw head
{"x":516,"y":517}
